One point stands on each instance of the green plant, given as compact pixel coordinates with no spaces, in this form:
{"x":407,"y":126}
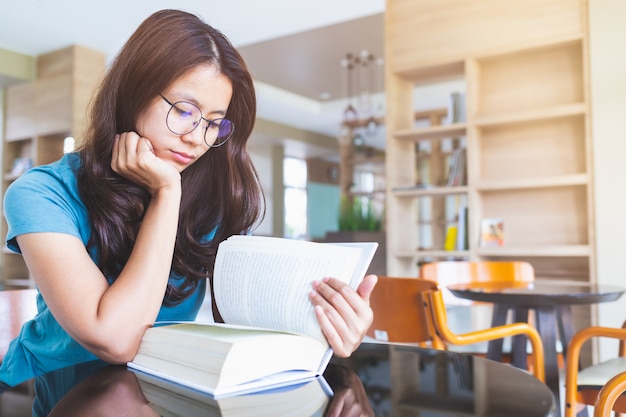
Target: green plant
{"x":359,"y":214}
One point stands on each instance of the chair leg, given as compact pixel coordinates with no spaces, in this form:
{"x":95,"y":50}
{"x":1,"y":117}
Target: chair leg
{"x":546,"y":325}
{"x":498,"y":318}
{"x":519,"y":343}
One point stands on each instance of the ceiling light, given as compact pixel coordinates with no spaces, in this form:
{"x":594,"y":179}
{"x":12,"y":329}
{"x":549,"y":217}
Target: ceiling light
{"x":360,"y":76}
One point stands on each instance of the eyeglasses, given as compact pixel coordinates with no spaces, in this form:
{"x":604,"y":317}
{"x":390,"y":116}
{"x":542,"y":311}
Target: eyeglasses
{"x":183,"y":117}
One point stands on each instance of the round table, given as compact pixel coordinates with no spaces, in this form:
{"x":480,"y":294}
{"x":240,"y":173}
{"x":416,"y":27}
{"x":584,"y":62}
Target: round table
{"x":551,"y":301}
{"x":381,"y":379}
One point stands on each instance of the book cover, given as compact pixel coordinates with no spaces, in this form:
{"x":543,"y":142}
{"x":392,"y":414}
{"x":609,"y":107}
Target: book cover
{"x":491,"y":232}
{"x":457,"y":172}
{"x":451,"y":236}
{"x":272,"y":337}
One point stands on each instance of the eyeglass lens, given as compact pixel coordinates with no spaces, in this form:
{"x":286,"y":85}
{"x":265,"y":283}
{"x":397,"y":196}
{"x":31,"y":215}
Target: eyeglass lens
{"x":184,"y":117}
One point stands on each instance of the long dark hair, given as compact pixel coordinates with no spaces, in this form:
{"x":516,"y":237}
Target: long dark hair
{"x":220,"y":191}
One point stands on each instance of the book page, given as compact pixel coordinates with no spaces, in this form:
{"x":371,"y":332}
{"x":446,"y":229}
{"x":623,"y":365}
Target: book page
{"x":265,"y":281}
{"x":368,"y":249}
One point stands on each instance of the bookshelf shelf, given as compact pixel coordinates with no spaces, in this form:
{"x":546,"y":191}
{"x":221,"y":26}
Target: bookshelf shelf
{"x":536,"y":251}
{"x":433,"y":132}
{"x":567,"y":110}
{"x":433,"y":254}
{"x":523,"y":183}
{"x":367,"y":193}
{"x":429,"y":191}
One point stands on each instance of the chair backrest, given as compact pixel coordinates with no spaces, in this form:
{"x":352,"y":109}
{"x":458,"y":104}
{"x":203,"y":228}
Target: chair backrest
{"x":16,"y":308}
{"x":401,"y":313}
{"x":455,"y":272}
{"x":412,"y":310}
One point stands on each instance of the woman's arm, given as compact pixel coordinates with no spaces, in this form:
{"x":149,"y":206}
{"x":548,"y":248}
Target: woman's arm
{"x":109,"y":321}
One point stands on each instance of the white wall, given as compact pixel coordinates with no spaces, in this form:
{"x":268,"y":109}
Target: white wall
{"x":608,"y":105}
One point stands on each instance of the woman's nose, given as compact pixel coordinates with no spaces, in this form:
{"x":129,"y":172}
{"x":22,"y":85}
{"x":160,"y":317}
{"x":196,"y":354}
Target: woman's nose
{"x":196,"y":136}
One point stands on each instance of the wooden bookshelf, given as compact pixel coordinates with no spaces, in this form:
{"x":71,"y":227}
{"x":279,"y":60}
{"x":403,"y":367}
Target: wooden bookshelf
{"x":39,"y":116}
{"x":526,"y":128}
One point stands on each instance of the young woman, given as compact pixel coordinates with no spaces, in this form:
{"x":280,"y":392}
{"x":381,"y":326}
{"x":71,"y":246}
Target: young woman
{"x":124,"y":232}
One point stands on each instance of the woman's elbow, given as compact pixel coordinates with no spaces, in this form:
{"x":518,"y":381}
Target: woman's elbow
{"x":119,"y":356}
{"x":114,"y":350}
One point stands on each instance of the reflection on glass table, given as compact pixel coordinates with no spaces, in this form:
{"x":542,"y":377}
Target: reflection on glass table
{"x":377,"y":380}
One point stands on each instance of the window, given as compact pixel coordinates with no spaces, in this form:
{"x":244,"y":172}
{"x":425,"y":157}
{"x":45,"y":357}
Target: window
{"x":364,"y":182}
{"x":295,"y":180}
{"x":68,"y":144}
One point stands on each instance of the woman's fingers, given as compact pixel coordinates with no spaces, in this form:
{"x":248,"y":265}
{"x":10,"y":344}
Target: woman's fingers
{"x":133,"y":157}
{"x":343,"y":313}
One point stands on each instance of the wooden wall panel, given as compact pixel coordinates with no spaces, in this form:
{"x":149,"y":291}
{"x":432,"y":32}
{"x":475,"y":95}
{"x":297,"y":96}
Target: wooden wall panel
{"x":428,"y":32}
{"x":20,"y":116}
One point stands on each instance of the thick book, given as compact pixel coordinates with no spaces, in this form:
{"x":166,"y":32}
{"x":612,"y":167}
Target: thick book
{"x":271,"y":336}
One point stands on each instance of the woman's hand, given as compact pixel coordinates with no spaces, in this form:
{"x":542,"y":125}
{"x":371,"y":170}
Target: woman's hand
{"x":343,"y":313}
{"x":133,"y":158}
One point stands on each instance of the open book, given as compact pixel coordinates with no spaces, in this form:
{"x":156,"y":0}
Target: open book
{"x":272,"y":337}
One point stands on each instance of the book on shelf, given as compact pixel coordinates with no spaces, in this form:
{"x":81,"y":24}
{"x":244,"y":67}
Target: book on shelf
{"x":166,"y":398}
{"x":271,"y":336}
{"x":20,"y":166}
{"x":462,"y":241}
{"x":449,"y":243}
{"x":456,"y":108}
{"x":457,"y":171}
{"x":491,"y":232}
{"x":414,"y":187}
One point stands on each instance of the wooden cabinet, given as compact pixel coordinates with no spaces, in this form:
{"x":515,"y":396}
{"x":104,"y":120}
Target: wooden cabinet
{"x":40,"y":115}
{"x":20,"y":115}
{"x":526,"y":130}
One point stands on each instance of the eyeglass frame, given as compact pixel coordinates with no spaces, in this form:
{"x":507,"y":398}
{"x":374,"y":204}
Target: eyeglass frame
{"x":209,"y":122}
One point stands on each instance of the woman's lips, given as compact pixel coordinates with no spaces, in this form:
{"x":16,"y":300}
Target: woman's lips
{"x":182,"y":157}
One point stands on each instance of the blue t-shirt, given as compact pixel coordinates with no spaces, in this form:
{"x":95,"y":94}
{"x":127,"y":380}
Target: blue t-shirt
{"x":46,"y":199}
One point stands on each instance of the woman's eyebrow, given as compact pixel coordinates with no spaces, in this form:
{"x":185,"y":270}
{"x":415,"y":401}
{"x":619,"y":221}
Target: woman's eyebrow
{"x":192,"y":100}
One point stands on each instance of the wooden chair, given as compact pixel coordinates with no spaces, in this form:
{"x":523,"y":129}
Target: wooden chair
{"x":456,"y":272}
{"x":412,"y":310}
{"x":16,"y":307}
{"x":583,"y":387}
{"x":608,"y":396}
{"x":462,"y":311}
